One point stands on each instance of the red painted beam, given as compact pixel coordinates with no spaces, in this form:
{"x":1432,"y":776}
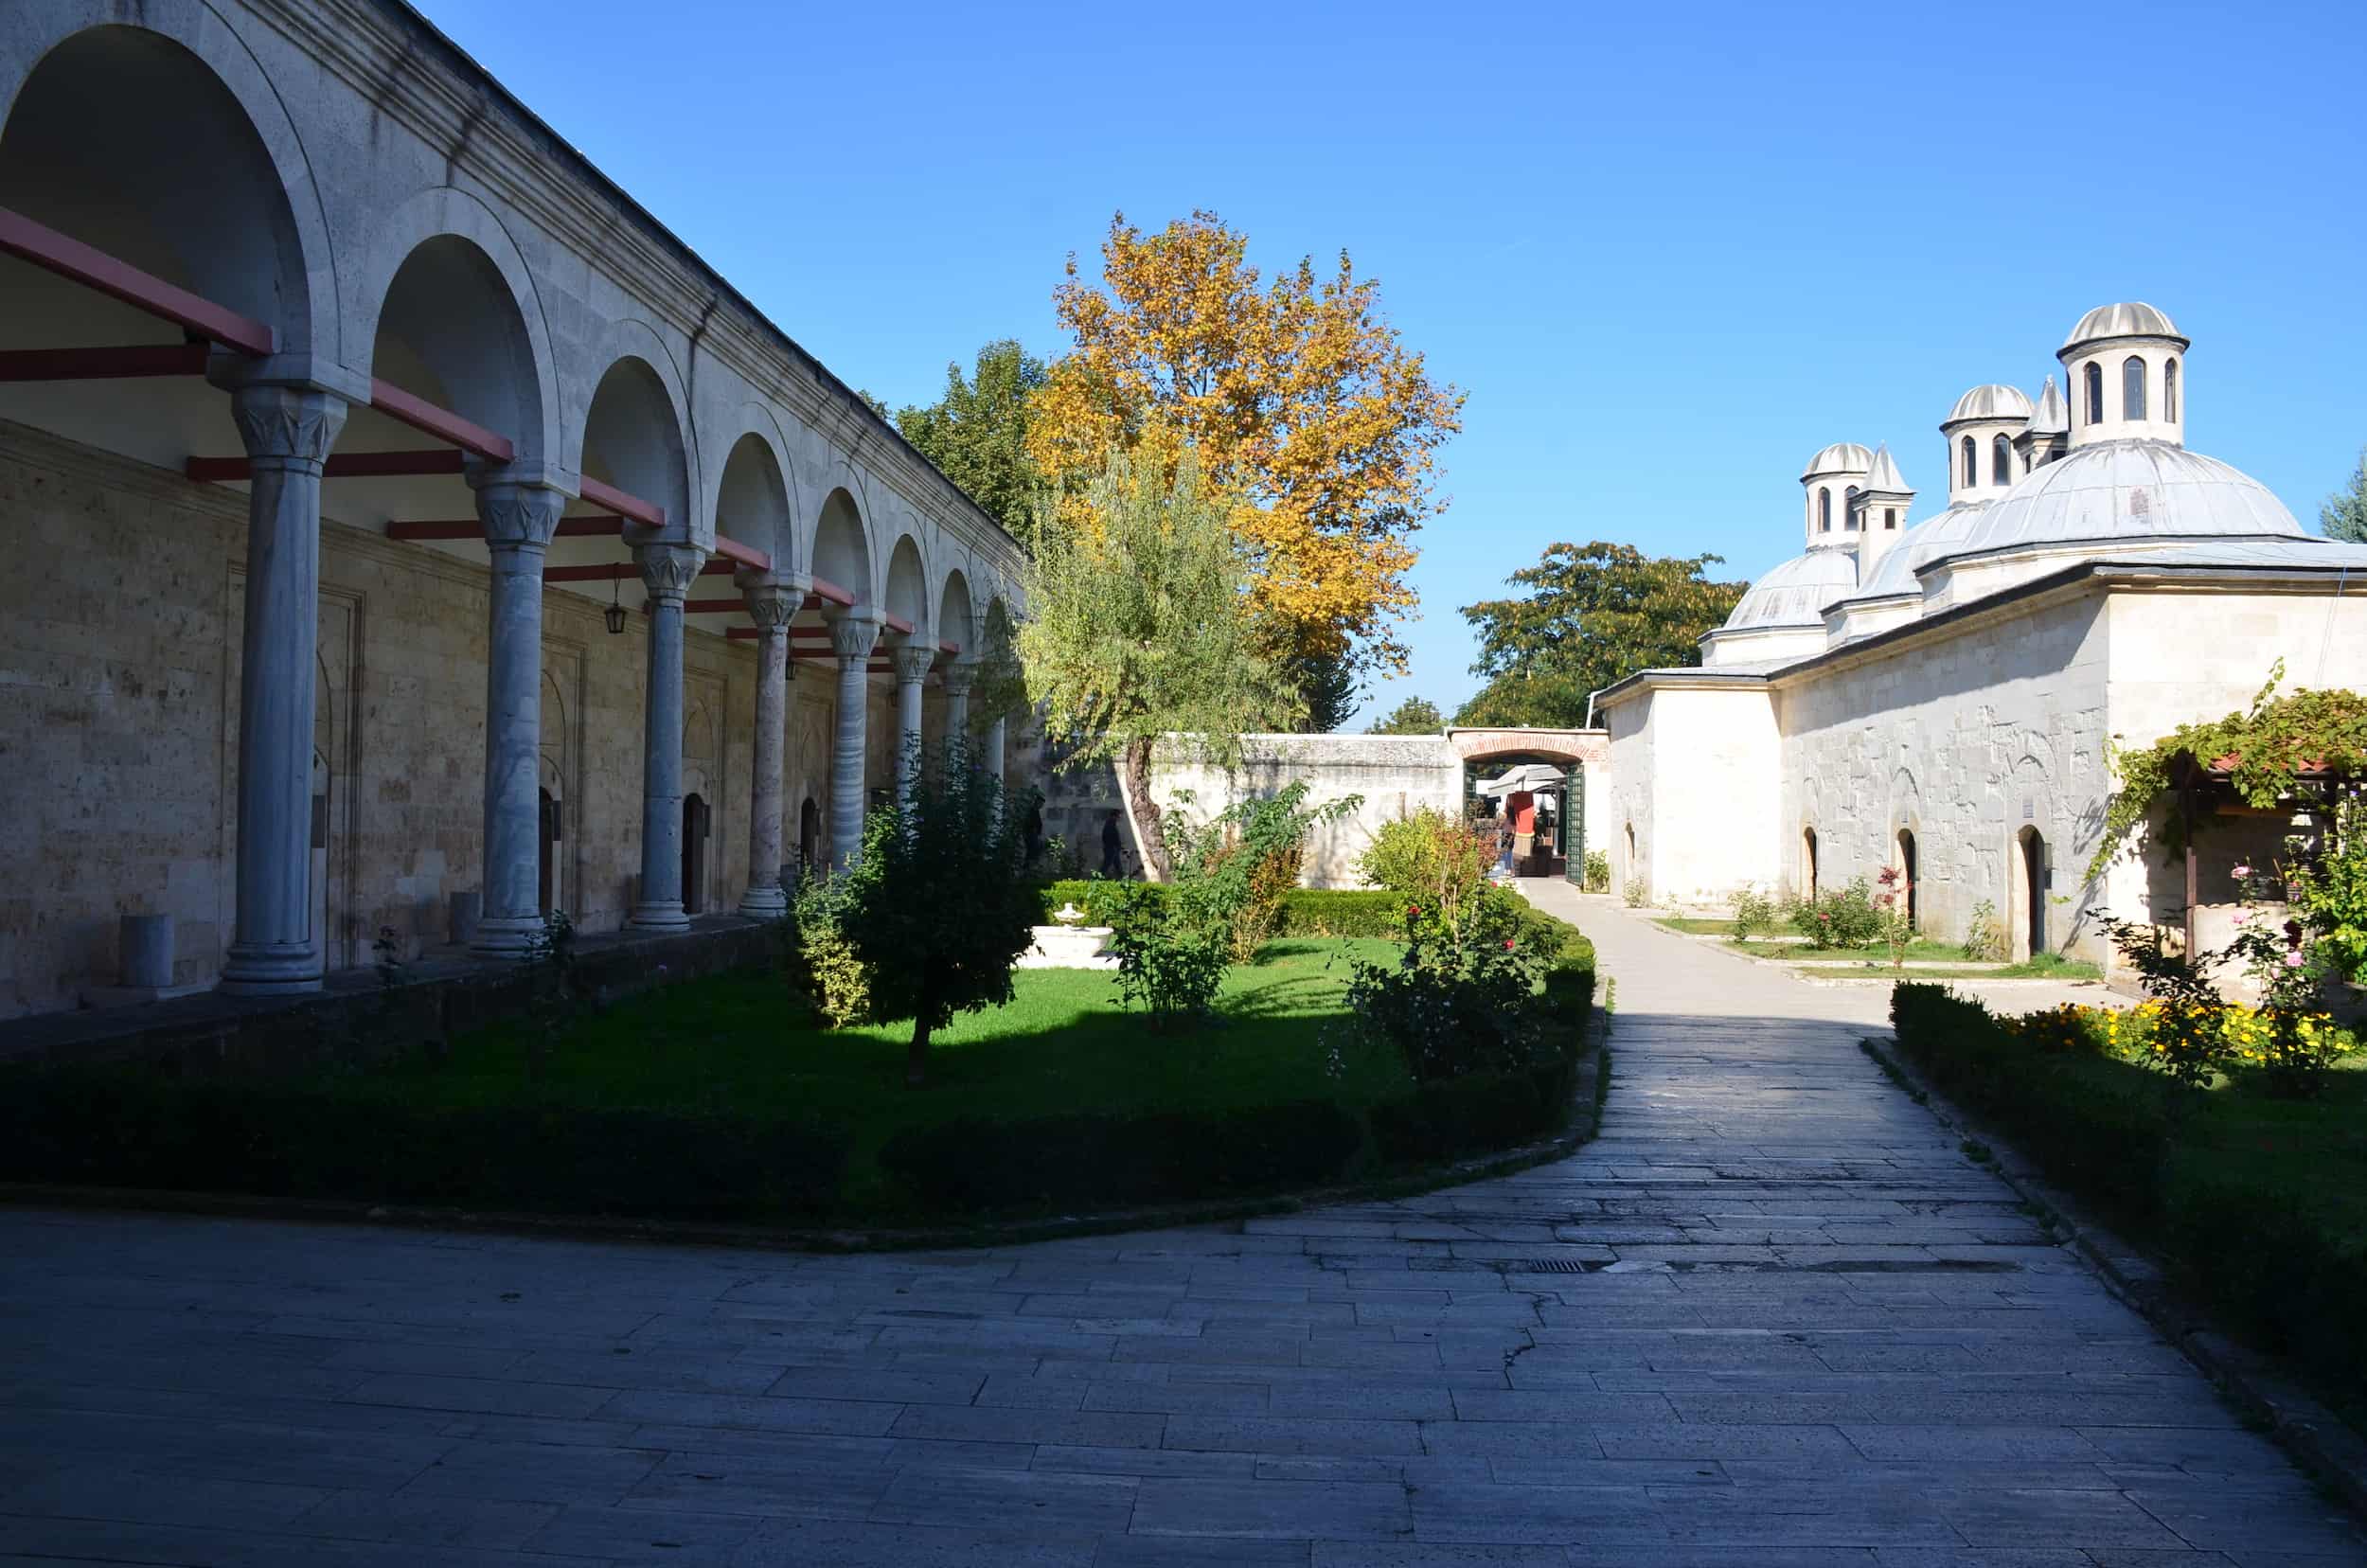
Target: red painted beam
{"x":46,"y":248}
{"x":442,"y":423}
{"x":356,"y":465}
{"x":121,"y":362}
{"x":633,"y":507}
{"x":469,"y":528}
{"x":619,"y":574}
{"x":732,"y":550}
{"x":825,"y":589}
{"x":713,"y":606}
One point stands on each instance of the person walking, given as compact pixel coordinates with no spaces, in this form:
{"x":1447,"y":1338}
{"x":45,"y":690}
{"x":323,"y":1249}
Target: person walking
{"x":1112,"y":847}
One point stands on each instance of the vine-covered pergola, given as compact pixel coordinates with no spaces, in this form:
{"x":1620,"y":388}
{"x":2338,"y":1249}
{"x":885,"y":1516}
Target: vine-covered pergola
{"x":2281,"y":756}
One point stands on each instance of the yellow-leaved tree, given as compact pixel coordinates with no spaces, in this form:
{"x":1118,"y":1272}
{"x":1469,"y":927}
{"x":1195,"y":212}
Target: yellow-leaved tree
{"x":1300,"y":400}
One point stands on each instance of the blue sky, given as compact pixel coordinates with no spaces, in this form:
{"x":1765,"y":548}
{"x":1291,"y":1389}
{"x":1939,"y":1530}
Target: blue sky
{"x":1668,"y":251}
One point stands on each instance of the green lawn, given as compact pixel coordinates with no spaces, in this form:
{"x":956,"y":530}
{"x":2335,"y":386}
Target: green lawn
{"x":1063,"y":1043}
{"x":2047,"y":968}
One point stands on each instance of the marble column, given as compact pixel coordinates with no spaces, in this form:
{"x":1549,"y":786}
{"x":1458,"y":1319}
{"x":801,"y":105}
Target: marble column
{"x":853,"y":634}
{"x":288,"y":432}
{"x":771,"y":600}
{"x":913,"y":662}
{"x":958,"y":678}
{"x":519,"y":520}
{"x":993,"y":748}
{"x":667,"y":570}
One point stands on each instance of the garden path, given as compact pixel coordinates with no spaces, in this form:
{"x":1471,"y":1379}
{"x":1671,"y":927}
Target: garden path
{"x":1771,"y":1316}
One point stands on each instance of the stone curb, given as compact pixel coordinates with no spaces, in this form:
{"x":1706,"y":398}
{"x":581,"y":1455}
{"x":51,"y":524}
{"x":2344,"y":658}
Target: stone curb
{"x":2313,"y":1434}
{"x":1590,"y":1084}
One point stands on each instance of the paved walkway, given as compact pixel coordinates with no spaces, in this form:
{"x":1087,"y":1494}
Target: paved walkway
{"x":1772,"y":1317}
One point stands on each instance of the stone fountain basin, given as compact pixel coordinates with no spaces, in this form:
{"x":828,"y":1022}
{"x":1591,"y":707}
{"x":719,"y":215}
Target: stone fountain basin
{"x":1068,"y":947}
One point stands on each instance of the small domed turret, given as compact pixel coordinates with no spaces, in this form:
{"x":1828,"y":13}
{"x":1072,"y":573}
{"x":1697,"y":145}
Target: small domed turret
{"x":1881,"y":509}
{"x":1979,"y":432}
{"x":2126,"y":367}
{"x":1832,"y":479}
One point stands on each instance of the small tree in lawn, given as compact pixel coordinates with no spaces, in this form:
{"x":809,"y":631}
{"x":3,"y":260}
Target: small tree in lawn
{"x":1138,"y":628}
{"x":938,"y":907}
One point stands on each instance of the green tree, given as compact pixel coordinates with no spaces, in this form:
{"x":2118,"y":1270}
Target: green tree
{"x":2344,"y":514}
{"x":1415,"y":716}
{"x":1139,"y":627}
{"x":938,"y":906}
{"x":977,"y":433}
{"x":1327,"y":686}
{"x":1590,"y":615}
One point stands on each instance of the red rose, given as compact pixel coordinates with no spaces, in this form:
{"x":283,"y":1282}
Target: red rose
{"x":1507,"y":944}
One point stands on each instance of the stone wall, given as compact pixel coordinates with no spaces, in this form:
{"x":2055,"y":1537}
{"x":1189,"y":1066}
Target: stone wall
{"x":1395,"y":775}
{"x":1688,"y":812}
{"x":1964,"y":738}
{"x":118,"y":727}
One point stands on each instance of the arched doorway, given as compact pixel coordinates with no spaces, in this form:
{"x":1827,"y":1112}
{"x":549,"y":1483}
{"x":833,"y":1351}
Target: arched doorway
{"x":694,"y":854}
{"x":2034,"y":886}
{"x":809,"y":835}
{"x":1912,"y":876}
{"x":1807,"y":863}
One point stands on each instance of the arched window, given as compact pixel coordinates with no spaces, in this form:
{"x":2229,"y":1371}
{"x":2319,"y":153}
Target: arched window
{"x":1889,"y":517}
{"x":2169,"y":391}
{"x":1824,"y":510}
{"x":1973,"y":463}
{"x":2133,"y":387}
{"x":1849,"y":509}
{"x":2094,"y":379}
{"x":2001,"y":461}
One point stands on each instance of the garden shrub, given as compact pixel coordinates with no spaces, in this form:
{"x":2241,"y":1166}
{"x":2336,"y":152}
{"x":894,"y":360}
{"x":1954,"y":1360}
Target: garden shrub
{"x":1754,"y":911}
{"x":129,"y":1127}
{"x":1455,"y":1117}
{"x":1637,"y":893}
{"x":1984,"y":936}
{"x":1458,"y":1001}
{"x":825,"y":967}
{"x":1100,"y":1161}
{"x":1597,"y":870}
{"x":2287,"y":1262}
{"x":1433,"y":859}
{"x":1169,"y":965}
{"x":1841,"y":917}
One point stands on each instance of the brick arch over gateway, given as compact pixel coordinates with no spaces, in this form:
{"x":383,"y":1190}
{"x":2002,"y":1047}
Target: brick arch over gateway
{"x":1589,"y":748}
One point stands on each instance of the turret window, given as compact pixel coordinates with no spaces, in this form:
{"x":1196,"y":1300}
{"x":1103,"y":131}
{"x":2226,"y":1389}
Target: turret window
{"x":2169,"y":391}
{"x":1889,"y":517}
{"x":2001,"y":461}
{"x":1824,"y":511}
{"x":1849,"y":509}
{"x":2132,"y":389}
{"x":2094,"y":400}
{"x":1972,"y":463}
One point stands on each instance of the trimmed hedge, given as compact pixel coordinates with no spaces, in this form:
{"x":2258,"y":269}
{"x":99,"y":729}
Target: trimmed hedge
{"x":974,"y":1165}
{"x":355,"y":1138}
{"x":2279,"y":1244}
{"x":1306,"y":911}
{"x":120,"y":1128}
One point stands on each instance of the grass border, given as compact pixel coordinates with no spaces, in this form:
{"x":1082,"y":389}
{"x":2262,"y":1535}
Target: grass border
{"x":2310,"y":1432}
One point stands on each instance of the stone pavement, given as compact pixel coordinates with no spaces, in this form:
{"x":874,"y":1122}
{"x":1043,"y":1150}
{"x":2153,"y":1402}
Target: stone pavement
{"x":1770,"y":1317}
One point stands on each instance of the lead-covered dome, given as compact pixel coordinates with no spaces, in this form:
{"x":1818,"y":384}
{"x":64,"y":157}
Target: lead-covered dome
{"x":1840,"y":457}
{"x":1796,"y":593}
{"x":2130,"y":490}
{"x":1926,"y":541}
{"x":2133,"y":319}
{"x":1994,"y":401}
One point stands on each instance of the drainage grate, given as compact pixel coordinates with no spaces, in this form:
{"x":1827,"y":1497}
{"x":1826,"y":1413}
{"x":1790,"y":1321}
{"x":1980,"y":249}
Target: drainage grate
{"x":1552,"y":1265}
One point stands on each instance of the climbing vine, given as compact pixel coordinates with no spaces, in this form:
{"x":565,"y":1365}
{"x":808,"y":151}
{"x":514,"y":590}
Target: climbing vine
{"x":2266,"y":747}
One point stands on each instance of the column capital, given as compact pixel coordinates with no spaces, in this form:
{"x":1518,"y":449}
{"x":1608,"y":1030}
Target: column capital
{"x":667,"y":570}
{"x":958,"y":677}
{"x":518,"y":516}
{"x":772,"y":597}
{"x":913,"y":661}
{"x":854,"y":633}
{"x":285,"y":426}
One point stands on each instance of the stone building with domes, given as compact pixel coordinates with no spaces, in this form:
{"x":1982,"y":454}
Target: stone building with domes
{"x":1939,"y":692}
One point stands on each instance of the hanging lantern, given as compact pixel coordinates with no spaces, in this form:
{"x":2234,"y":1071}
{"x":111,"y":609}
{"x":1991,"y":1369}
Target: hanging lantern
{"x":614,"y":614}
